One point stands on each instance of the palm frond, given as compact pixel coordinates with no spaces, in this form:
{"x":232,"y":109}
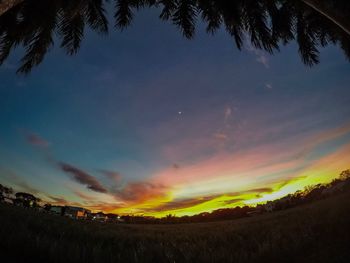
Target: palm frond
{"x":185,"y":17}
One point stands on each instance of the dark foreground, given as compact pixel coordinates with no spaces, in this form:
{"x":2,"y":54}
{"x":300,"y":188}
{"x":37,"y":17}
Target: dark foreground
{"x":317,"y":232}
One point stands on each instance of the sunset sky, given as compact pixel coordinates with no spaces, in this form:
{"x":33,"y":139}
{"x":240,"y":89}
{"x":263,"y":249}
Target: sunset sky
{"x":147,"y":122}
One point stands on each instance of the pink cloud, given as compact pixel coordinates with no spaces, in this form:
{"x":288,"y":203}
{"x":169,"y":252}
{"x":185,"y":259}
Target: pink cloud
{"x":36,"y":140}
{"x":228,"y":112}
{"x":83,"y":177}
{"x":114,"y":176}
{"x":264,"y":164}
{"x":221,"y":136}
{"x":138,"y":192}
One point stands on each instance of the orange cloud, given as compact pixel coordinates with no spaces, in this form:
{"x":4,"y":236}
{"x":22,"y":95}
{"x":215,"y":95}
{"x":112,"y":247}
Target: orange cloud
{"x":138,"y":192}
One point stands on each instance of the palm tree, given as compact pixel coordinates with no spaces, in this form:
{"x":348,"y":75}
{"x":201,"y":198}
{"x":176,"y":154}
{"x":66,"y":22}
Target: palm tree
{"x":314,"y":30}
{"x":266,"y":24}
{"x":324,"y":8}
{"x":32,"y":23}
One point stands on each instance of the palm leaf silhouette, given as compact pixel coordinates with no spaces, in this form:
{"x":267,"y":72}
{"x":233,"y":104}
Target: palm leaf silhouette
{"x":266,"y":24}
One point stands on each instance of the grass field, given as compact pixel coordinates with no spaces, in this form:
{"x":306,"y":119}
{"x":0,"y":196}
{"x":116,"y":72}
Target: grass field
{"x":317,"y":232}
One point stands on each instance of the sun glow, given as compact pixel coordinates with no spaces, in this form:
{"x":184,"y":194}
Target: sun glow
{"x":241,"y":186}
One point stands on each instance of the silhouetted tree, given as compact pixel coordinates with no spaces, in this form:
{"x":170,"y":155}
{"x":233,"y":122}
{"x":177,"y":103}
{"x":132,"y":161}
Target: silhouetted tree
{"x":326,"y":8}
{"x":345,"y":175}
{"x":26,"y":199}
{"x":32,"y":23}
{"x":5,"y":191}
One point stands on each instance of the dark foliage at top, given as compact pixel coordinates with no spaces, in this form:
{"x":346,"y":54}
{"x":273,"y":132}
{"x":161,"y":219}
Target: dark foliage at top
{"x":266,"y":24}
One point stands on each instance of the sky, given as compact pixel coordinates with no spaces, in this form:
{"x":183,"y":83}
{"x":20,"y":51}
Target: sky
{"x":147,"y":122}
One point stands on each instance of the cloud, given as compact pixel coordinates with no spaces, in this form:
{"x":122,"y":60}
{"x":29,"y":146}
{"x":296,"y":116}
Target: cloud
{"x":266,"y":164}
{"x":263,"y":60}
{"x":138,"y":192}
{"x":35,"y":140}
{"x":83,"y":178}
{"x":181,"y":204}
{"x":233,"y":201}
{"x":58,"y":200}
{"x":260,"y":55}
{"x":103,"y":206}
{"x":268,"y":86}
{"x":83,"y":196}
{"x":114,"y":176}
{"x":228,"y":112}
{"x":221,"y":136}
{"x":24,"y":186}
{"x":184,"y":203}
{"x":19,"y":183}
{"x":260,"y":190}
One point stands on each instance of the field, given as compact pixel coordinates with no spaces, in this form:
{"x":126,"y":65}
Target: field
{"x":317,"y":232}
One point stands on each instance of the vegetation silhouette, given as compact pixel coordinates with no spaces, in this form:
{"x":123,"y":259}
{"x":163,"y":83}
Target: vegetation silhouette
{"x":265,"y":24}
{"x":5,"y":192}
{"x":314,"y":232}
{"x":26,"y":199}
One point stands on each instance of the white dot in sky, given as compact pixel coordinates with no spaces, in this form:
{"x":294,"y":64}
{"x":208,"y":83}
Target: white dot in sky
{"x":180,"y":112}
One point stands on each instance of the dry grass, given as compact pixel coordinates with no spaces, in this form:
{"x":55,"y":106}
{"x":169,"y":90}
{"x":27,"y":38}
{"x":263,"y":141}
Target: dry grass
{"x":318,"y":232}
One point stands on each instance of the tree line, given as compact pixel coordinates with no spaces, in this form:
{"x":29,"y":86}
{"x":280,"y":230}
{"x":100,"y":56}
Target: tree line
{"x":21,"y":198}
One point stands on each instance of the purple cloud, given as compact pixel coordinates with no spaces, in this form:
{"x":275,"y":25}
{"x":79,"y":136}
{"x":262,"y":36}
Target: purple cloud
{"x":114,"y":176}
{"x":36,"y":140}
{"x":83,"y":178}
{"x":140,"y":191}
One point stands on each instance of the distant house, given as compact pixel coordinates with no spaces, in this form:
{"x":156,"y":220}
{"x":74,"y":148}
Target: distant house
{"x":76,"y":212}
{"x":99,"y":217}
{"x":113,"y":218}
{"x":58,"y":210}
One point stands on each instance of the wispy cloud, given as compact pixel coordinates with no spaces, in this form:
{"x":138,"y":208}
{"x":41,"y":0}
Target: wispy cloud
{"x":261,"y":58}
{"x":36,"y":140}
{"x":268,"y":86}
{"x":221,"y":136}
{"x":228,"y":112}
{"x":260,"y":55}
{"x":181,"y":204}
{"x":83,"y":196}
{"x":24,"y":186}
{"x":58,"y":200}
{"x":115,"y":177}
{"x":83,"y":177}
